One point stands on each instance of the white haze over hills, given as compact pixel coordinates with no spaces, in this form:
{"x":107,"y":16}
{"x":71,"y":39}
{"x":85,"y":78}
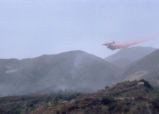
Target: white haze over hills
{"x":127,"y":56}
{"x":68,"y":71}
{"x":145,"y":68}
{"x":30,"y":28}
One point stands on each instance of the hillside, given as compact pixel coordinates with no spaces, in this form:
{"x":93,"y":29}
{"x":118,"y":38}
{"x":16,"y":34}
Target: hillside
{"x":122,"y":98}
{"x":146,"y":68}
{"x":25,"y":104}
{"x":129,"y":97}
{"x":74,"y":70}
{"x":125,"y":57}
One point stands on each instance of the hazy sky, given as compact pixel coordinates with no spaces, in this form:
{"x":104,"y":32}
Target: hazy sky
{"x":30,"y":28}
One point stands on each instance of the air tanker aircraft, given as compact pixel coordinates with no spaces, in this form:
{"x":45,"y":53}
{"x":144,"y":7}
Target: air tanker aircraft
{"x":114,"y":46}
{"x":110,"y":45}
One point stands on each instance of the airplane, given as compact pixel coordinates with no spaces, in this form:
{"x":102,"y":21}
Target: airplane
{"x":114,"y":46}
{"x":111,"y":45}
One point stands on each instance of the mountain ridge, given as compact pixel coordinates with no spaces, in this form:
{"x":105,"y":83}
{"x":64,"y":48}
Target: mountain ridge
{"x":73,"y":70}
{"x":146,"y":68}
{"x":126,"y":57}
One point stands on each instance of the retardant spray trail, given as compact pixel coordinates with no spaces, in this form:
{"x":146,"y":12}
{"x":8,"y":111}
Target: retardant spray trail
{"x":114,"y":45}
{"x":128,"y":44}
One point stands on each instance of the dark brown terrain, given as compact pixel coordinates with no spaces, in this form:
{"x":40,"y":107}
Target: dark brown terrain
{"x":135,"y":97}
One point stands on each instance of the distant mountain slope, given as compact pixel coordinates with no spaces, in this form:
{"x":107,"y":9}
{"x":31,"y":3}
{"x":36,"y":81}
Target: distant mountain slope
{"x":74,"y":70}
{"x":146,"y":68}
{"x":125,"y":57}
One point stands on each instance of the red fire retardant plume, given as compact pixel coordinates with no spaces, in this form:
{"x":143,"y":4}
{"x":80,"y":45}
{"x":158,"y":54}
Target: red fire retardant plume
{"x":128,"y":44}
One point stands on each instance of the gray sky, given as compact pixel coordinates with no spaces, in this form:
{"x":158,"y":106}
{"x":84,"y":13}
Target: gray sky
{"x":30,"y":28}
